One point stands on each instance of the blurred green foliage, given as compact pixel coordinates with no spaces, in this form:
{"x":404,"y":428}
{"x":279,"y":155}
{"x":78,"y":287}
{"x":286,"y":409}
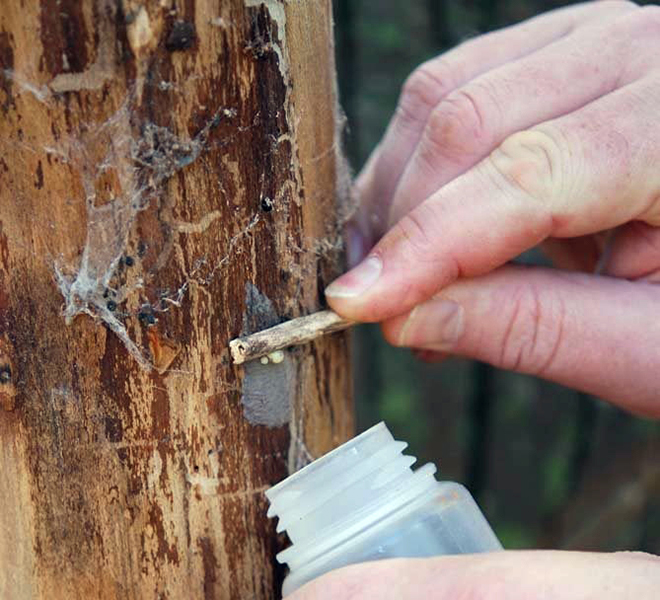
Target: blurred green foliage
{"x":550,"y":467}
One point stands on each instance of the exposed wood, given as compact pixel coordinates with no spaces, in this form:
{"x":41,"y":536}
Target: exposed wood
{"x":158,"y":157}
{"x":290,"y":333}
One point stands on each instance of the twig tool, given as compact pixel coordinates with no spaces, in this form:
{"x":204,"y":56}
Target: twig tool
{"x":290,"y":333}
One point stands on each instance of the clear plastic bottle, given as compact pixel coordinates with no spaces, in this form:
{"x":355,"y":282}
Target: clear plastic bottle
{"x":363,"y":502}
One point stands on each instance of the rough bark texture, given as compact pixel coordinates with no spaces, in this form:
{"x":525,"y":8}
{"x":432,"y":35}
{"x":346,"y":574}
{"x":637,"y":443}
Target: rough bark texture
{"x":167,"y":183}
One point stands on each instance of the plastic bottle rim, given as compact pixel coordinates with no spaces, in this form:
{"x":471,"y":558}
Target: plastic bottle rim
{"x":398,"y":498}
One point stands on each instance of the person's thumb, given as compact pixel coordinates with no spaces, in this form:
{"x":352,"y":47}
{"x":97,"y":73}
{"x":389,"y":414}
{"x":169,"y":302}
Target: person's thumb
{"x":596,"y":334}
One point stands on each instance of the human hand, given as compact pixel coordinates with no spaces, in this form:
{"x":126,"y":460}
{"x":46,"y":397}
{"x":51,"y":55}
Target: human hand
{"x":535,"y":575}
{"x":546,"y":132}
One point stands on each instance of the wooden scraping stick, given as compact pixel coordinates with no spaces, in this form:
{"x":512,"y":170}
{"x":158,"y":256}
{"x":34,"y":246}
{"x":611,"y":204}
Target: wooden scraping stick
{"x":290,"y":333}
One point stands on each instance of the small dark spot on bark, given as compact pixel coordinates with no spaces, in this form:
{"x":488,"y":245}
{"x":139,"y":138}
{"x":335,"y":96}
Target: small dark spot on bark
{"x":141,"y":249}
{"x":5,"y":374}
{"x":6,"y":51}
{"x":266,"y":204}
{"x":6,"y":65}
{"x":56,"y":134}
{"x":40,"y":177}
{"x":111,"y":305}
{"x":209,"y":563}
{"x":146,"y":316}
{"x":114,"y":430}
{"x":129,"y":261}
{"x":182,"y":36}
{"x":149,"y":319}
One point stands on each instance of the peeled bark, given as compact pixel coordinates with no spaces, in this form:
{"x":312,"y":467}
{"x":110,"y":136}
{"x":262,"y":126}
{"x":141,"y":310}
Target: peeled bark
{"x":168,"y":181}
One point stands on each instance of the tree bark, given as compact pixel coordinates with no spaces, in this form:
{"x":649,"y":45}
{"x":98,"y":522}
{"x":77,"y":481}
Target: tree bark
{"x":168,"y":182}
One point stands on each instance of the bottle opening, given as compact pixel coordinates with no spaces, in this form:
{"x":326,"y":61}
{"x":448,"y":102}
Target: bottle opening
{"x":344,"y":492}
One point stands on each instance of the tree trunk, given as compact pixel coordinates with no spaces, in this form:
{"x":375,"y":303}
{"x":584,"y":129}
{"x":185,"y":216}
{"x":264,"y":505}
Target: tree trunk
{"x":167,"y":182}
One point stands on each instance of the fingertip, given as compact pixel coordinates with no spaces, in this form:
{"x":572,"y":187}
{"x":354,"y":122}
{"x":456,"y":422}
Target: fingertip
{"x":373,"y":292}
{"x":393,"y":328}
{"x":358,"y":280}
{"x":359,"y":296}
{"x":401,"y":271}
{"x":349,"y":308}
{"x":348,"y":295}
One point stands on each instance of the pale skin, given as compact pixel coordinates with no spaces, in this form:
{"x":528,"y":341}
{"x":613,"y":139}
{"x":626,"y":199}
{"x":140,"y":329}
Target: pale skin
{"x":547,"y":132}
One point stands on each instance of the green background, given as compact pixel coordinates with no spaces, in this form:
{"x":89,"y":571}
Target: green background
{"x":549,"y":466}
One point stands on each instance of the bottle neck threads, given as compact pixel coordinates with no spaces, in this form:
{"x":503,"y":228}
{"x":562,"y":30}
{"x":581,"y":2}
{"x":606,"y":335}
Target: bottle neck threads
{"x":345,"y":492}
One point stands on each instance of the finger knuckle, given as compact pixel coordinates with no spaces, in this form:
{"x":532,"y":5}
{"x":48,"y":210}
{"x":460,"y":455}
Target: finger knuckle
{"x":531,"y":163}
{"x":391,"y":335}
{"x":415,"y":235}
{"x":533,"y":333}
{"x":416,"y":232}
{"x":422,"y":91}
{"x":456,"y":129}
